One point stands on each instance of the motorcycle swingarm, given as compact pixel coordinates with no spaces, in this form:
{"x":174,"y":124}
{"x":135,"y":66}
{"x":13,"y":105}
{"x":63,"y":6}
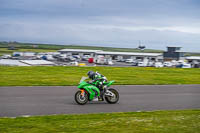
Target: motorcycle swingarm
{"x":109,"y":93}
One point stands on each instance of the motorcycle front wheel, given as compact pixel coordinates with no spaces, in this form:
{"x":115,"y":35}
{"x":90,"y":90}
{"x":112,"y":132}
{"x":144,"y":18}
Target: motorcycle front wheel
{"x":112,"y":99}
{"x":81,"y":99}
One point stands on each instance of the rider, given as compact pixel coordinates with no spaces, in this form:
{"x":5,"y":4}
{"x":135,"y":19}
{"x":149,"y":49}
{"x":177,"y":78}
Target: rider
{"x":98,"y":80}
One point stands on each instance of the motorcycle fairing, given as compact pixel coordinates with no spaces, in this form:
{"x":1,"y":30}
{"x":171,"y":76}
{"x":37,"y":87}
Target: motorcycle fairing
{"x":109,"y":83}
{"x":91,"y":89}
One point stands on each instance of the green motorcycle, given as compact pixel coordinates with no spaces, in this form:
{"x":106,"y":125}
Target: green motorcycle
{"x":89,"y":92}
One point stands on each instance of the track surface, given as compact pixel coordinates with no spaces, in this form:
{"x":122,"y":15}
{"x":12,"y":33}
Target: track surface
{"x":17,"y":101}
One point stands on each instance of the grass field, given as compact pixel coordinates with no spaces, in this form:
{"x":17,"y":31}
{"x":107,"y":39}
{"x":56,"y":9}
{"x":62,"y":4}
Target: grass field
{"x":62,"y":76}
{"x":47,"y":47}
{"x":6,"y":51}
{"x":54,"y":47}
{"x":186,"y":121}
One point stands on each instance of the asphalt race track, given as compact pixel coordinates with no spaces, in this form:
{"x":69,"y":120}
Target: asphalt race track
{"x":18,"y":101}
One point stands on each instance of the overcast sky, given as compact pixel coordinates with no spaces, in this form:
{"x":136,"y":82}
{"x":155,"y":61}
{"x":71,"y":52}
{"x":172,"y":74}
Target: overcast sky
{"x":116,"y":23}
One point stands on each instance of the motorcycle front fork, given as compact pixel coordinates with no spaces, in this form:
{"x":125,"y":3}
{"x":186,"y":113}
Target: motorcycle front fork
{"x":82,"y":93}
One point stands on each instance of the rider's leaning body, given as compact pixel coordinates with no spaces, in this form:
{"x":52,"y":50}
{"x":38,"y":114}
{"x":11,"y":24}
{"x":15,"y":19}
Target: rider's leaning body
{"x":97,"y":79}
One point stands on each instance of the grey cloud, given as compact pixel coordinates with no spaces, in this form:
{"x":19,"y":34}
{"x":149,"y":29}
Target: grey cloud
{"x":96,"y":35}
{"x":157,"y":23}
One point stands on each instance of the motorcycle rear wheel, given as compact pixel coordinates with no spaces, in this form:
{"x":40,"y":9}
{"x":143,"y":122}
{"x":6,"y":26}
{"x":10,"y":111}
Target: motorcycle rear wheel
{"x":81,"y":99}
{"x":114,"y":99}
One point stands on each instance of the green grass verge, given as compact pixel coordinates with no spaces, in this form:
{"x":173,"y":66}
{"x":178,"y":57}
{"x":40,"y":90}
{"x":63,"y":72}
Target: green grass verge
{"x":62,"y":76}
{"x":185,"y":121}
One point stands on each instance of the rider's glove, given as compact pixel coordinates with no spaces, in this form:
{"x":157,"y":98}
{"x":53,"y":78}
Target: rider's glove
{"x":90,"y":82}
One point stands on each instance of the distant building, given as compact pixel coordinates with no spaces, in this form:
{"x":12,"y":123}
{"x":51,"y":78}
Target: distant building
{"x":80,"y":52}
{"x":194,"y":61}
{"x":130,"y":55}
{"x":173,"y":53}
{"x":113,"y":55}
{"x":11,"y":46}
{"x":141,"y":47}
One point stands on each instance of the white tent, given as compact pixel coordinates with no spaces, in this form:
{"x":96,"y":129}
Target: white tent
{"x":37,"y":62}
{"x":9,"y":62}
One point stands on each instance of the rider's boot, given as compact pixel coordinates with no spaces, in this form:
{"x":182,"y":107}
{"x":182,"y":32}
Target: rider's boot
{"x":101,"y":95}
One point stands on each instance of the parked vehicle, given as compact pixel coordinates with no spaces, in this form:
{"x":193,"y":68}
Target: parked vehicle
{"x":74,"y":63}
{"x":167,"y":64}
{"x":71,"y":58}
{"x":85,"y":57}
{"x":6,"y":56}
{"x":48,"y":57}
{"x":180,"y":63}
{"x":142,"y":64}
{"x":129,"y":60}
{"x":76,"y":56}
{"x":109,"y":62}
{"x":174,"y":62}
{"x":150,"y":64}
{"x":196,"y":65}
{"x":121,"y":60}
{"x":186,"y":65}
{"x":91,"y":60}
{"x":158,"y":64}
{"x":17,"y":54}
{"x":99,"y":60}
{"x":89,"y":92}
{"x":135,"y":63}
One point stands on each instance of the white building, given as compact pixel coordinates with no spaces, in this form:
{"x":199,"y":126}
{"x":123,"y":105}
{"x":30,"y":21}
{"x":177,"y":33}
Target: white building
{"x":131,"y":55}
{"x":194,"y":61}
{"x":113,"y":55}
{"x":79,"y":52}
